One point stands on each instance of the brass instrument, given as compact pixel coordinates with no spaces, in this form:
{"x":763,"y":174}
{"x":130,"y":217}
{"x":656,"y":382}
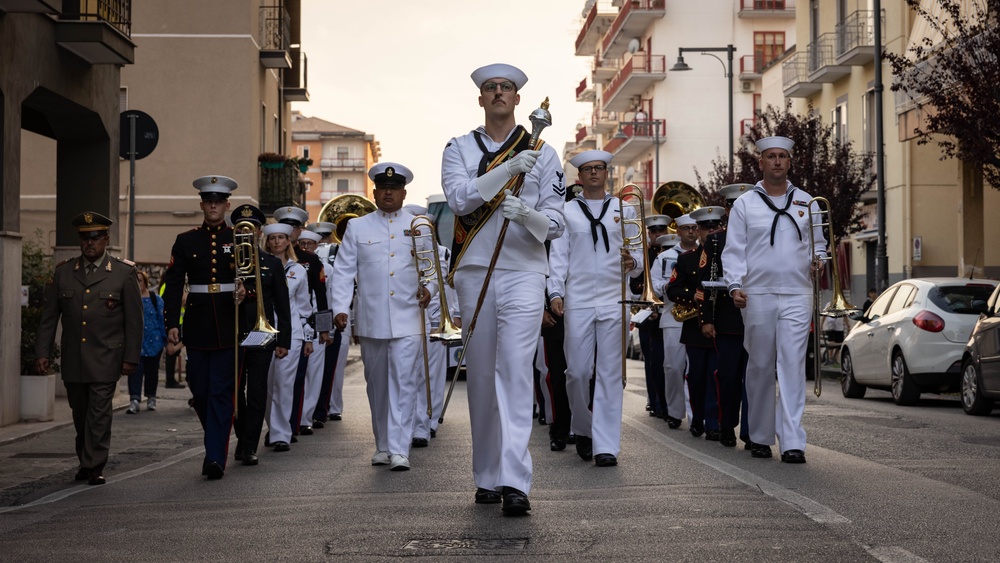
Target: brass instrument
{"x":675,"y":199}
{"x":839,"y":306}
{"x":428,"y":262}
{"x":247,"y":261}
{"x":630,"y":244}
{"x":342,"y":209}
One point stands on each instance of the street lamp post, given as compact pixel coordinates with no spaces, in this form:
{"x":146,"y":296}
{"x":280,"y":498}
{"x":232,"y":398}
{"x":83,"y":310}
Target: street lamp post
{"x":729,"y":50}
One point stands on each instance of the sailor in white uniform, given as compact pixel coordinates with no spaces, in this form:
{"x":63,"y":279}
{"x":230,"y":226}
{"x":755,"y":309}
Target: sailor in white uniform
{"x":316,"y":361}
{"x":767,"y":263}
{"x":377,"y":252}
{"x":586,"y":266}
{"x":674,"y":355}
{"x":480,"y":171}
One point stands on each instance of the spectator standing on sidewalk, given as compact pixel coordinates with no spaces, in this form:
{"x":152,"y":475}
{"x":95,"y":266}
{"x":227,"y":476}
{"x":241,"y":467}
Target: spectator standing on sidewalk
{"x":154,"y":337}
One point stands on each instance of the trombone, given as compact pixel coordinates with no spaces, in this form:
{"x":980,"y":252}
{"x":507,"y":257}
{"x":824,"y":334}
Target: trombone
{"x":630,"y":244}
{"x":247,"y":261}
{"x":428,"y":262}
{"x":839,"y":306}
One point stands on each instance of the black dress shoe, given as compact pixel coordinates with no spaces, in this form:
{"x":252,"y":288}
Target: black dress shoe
{"x":557,"y":444}
{"x":334,"y":417}
{"x":793,"y":456}
{"x":250,"y":459}
{"x":712,"y":435}
{"x":762,"y":451}
{"x":542,"y":421}
{"x":434,"y":433}
{"x":747,"y":444}
{"x":317,"y":424}
{"x":238,"y":456}
{"x":281,"y":447}
{"x":214,"y":471}
{"x":584,"y":448}
{"x":96,"y":477}
{"x":697,"y":429}
{"x":673,"y":423}
{"x":728,"y":439}
{"x":294,"y":439}
{"x":487,"y":496}
{"x":515,"y":503}
{"x":82,"y":475}
{"x":419,"y":443}
{"x":652,"y":413}
{"x":571,"y":439}
{"x":175,"y":386}
{"x":267,"y":440}
{"x":605,"y":460}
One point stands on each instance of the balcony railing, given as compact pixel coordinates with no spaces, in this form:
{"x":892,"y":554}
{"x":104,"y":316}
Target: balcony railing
{"x":603,"y":69}
{"x":275,"y":37}
{"x":296,"y":87}
{"x":280,"y":187}
{"x":635,"y":137}
{"x":637,"y":74}
{"x":585,"y":93}
{"x":633,"y":18}
{"x":116,"y":13}
{"x":598,"y":18}
{"x":767,"y":8}
{"x":856,"y":38}
{"x":823,"y":65}
{"x":751,"y":64}
{"x":341,"y":163}
{"x":795,"y":77}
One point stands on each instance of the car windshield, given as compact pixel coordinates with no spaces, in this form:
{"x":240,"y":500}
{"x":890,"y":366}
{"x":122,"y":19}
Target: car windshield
{"x":961,"y":299}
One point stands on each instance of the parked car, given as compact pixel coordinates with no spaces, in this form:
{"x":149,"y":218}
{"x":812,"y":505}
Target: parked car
{"x":981,"y":362}
{"x":912,"y":338}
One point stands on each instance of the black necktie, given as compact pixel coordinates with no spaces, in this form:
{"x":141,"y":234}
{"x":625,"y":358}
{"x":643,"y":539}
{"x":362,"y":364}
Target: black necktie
{"x":90,"y":269}
{"x":779,"y":212}
{"x":594,"y":223}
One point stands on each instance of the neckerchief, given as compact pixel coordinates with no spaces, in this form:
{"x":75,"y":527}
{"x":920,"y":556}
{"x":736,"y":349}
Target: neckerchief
{"x":594,"y":223}
{"x":778,"y":213}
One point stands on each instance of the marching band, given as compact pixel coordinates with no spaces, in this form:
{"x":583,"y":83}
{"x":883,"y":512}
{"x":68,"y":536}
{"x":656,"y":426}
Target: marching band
{"x":724,"y":350}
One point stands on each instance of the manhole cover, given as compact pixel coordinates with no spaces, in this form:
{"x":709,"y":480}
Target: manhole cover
{"x":469,"y":544}
{"x":44,"y":455}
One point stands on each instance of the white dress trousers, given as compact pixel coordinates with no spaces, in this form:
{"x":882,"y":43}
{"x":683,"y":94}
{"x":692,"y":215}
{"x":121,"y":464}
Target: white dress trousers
{"x":281,"y":374}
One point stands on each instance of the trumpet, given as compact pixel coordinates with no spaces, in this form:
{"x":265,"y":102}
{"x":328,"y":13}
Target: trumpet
{"x":839,"y":306}
{"x":631,"y":244}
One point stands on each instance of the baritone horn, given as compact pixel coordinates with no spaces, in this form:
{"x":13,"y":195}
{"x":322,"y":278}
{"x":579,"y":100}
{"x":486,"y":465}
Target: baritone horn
{"x":632,"y":195}
{"x":839,"y":306}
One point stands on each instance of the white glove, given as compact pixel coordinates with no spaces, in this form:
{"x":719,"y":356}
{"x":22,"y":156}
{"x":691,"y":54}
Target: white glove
{"x":489,"y":185}
{"x":522,"y":163}
{"x":515,"y":209}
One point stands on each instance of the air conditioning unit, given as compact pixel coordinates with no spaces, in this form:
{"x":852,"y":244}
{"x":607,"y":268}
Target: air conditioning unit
{"x":746,"y":86}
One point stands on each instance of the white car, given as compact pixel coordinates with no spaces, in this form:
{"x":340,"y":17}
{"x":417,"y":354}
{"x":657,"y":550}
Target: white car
{"x":912,"y":338}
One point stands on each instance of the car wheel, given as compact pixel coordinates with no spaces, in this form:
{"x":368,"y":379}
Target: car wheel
{"x":848,"y":385}
{"x":973,"y":400}
{"x":904,"y":391}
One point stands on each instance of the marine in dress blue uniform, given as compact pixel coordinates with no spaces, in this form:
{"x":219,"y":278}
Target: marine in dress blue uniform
{"x":203,"y":258}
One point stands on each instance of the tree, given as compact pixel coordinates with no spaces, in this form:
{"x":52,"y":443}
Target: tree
{"x":821,"y":165}
{"x":952,"y":74}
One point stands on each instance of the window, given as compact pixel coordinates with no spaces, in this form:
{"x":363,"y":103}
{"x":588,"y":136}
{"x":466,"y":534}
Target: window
{"x":263,"y":128}
{"x":868,"y":143}
{"x":305,"y":151}
{"x":343,"y":185}
{"x":343,"y":153}
{"x":122,"y":99}
{"x":881,"y":304}
{"x":903,"y":298}
{"x":767,"y":46}
{"x":838,"y":118}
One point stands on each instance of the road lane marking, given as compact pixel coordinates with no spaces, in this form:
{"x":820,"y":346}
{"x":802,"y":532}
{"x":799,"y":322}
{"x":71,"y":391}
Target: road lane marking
{"x":891,"y":554}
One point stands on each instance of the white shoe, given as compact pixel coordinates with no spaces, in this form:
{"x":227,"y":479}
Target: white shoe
{"x":151,"y":404}
{"x":380,"y":458}
{"x":399,"y":463}
{"x":133,"y":407}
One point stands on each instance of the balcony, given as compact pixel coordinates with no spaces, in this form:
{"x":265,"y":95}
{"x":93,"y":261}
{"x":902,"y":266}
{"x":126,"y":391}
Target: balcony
{"x":635,"y":138}
{"x":746,"y":125}
{"x":280,"y":187}
{"x":795,"y":77}
{"x":97,"y":31}
{"x":823,"y":67}
{"x":585,"y":138}
{"x":638,"y":73}
{"x":632,"y":20}
{"x":856,"y":38}
{"x":295,"y":88}
{"x":343,"y":165}
{"x":750,"y":66}
{"x":595,"y":25}
{"x":604,"y":122}
{"x":275,"y":35}
{"x":585,"y":93}
{"x":30,"y":6}
{"x":767,"y":9}
{"x":602,"y":70}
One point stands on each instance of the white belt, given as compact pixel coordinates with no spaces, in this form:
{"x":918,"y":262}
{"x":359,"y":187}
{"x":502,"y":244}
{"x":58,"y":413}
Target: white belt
{"x":212,"y":287}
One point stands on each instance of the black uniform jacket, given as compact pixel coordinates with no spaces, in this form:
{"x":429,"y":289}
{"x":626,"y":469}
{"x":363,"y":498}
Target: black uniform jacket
{"x":316,"y":276}
{"x":202,"y":256}
{"x":274,"y":293}
{"x":685,"y":288}
{"x":722,"y":312}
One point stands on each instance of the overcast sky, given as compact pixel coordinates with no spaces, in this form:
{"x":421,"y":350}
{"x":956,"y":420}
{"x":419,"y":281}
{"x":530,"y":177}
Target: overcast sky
{"x":399,"y":69}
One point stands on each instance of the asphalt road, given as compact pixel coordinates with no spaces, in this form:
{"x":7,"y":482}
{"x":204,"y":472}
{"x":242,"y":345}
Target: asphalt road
{"x":882,"y":483}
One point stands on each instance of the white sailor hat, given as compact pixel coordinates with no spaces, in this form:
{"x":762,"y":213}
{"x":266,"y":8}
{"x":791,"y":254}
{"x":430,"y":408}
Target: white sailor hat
{"x":215,"y":187}
{"x":276,"y":229}
{"x":291,"y":215}
{"x":733,"y":191}
{"x":667,"y":241}
{"x":775,"y":142}
{"x":685,"y":220}
{"x":590,"y":156}
{"x":499,"y":70}
{"x":708,"y":214}
{"x":414,"y":209}
{"x":390,"y":175}
{"x":309,"y":235}
{"x":661,"y":221}
{"x":322,"y":227}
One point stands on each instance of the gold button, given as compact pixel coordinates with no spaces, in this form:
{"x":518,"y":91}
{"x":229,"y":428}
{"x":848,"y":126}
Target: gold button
{"x":83,"y":340}
{"x":392,"y":273}
{"x":88,"y":291}
{"x":213,"y":252}
{"x":391,"y":254}
{"x":213,"y":271}
{"x":84,"y":307}
{"x":392,"y":293}
{"x":392,"y":236}
{"x":84,"y":323}
{"x":390,"y":220}
{"x":213,"y":259}
{"x":213,"y":237}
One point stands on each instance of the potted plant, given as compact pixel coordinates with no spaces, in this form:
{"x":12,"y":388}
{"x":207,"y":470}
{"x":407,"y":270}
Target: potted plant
{"x":37,"y":391}
{"x":271,"y":160}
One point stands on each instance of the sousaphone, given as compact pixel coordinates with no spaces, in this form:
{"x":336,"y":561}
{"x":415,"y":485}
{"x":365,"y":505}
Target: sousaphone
{"x":342,"y":209}
{"x":676,"y":199}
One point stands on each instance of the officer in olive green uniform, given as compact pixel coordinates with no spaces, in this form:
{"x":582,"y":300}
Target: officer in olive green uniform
{"x":97,"y":297}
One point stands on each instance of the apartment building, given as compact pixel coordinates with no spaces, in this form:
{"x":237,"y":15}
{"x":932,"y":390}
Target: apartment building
{"x":341,"y":158}
{"x":662,"y":125}
{"x":935,"y":224}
